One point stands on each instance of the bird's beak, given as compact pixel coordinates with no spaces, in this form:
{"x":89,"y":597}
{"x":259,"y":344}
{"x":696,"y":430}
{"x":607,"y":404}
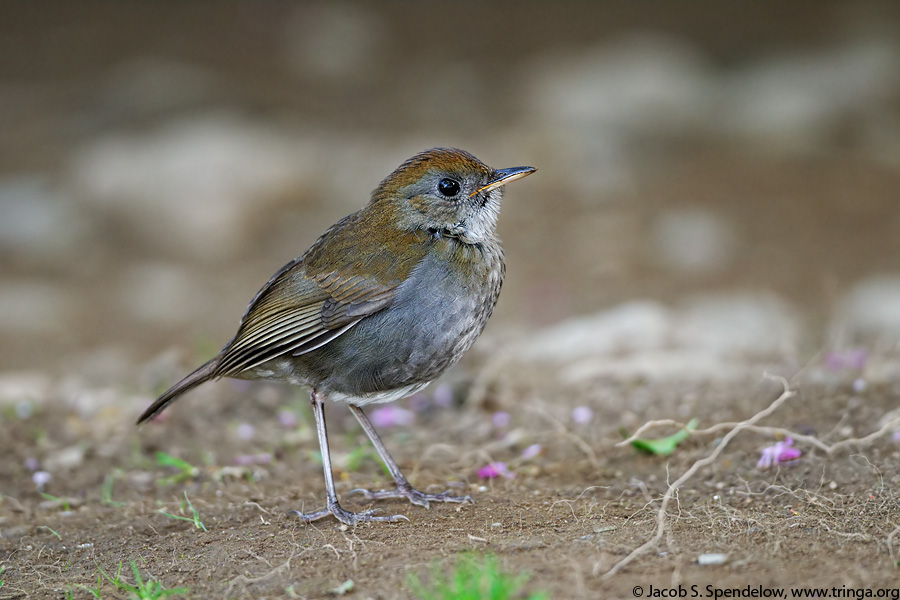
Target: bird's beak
{"x":504,"y":176}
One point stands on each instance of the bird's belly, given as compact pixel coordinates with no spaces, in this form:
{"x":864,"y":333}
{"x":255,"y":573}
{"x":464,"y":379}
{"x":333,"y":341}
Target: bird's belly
{"x":397,"y":351}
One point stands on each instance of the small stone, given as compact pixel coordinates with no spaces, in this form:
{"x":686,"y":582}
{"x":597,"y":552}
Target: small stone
{"x":65,"y":459}
{"x":872,"y":309}
{"x":712,"y":559}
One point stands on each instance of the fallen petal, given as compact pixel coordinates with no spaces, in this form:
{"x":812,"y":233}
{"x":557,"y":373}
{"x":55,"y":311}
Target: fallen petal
{"x":391,"y":416}
{"x":246,"y":431}
{"x":582,"y":415}
{"x":495,"y":469}
{"x":778,"y":452}
{"x":41,"y":478}
{"x":532,"y":451}
{"x":287,"y":419}
{"x":501,"y":419}
{"x":253,"y":459}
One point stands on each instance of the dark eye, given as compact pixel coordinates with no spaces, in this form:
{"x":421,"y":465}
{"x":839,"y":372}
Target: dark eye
{"x":448,"y":187}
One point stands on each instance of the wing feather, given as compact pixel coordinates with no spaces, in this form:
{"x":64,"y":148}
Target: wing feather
{"x":312,"y":300}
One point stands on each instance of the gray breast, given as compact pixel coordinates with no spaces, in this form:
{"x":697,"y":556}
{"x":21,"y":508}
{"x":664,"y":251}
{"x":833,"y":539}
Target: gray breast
{"x":436,"y":316}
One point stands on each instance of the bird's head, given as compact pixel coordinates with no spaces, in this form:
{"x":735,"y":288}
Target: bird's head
{"x":447,"y":192}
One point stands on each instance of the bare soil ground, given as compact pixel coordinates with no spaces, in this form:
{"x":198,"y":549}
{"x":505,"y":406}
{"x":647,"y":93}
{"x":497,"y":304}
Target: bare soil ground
{"x":567,"y":518}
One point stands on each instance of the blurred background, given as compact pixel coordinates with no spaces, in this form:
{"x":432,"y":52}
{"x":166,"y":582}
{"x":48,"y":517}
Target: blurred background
{"x":730,"y":166}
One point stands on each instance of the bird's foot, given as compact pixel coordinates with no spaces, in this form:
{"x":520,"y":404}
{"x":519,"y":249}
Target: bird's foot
{"x":413,"y":495}
{"x":347,"y":517}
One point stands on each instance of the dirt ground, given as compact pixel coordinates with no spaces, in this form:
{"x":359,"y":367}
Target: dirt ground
{"x":83,"y":492}
{"x":567,"y":518}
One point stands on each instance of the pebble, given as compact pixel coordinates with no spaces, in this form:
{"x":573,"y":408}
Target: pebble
{"x":712,"y":559}
{"x":15,"y":385}
{"x":698,"y":339}
{"x":65,"y":459}
{"x":871,"y":310}
{"x":738,"y":323}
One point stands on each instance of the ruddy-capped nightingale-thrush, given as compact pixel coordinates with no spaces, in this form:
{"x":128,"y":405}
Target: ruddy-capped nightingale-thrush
{"x":381,"y":304}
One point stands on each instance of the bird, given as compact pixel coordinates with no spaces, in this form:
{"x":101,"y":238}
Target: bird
{"x":379,"y":306}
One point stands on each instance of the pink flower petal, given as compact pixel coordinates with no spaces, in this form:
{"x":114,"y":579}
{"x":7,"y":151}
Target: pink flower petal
{"x":501,"y":419}
{"x":391,"y":416}
{"x":853,"y":359}
{"x":246,"y":431}
{"x":532,"y":451}
{"x":41,"y":478}
{"x":778,"y":452}
{"x":443,"y":395}
{"x":253,"y":459}
{"x":582,"y":415}
{"x":495,"y":469}
{"x":787,"y":454}
{"x":287,"y":419}
{"x":419,"y":402}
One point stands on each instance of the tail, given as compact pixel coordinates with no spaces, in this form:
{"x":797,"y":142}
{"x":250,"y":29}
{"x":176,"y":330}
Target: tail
{"x":201,"y":375}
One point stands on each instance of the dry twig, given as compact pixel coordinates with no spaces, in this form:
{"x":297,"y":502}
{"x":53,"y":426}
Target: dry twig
{"x":673,"y":488}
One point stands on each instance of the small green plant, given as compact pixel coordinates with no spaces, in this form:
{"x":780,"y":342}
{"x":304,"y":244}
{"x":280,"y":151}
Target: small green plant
{"x":474,"y":577}
{"x":95,"y":592}
{"x":106,"y":491}
{"x":59,"y":537}
{"x":186,"y":470}
{"x":359,"y":456}
{"x":663,"y":446}
{"x":149,"y":590}
{"x":1,"y":573}
{"x":195,"y":518}
{"x":60,"y":501}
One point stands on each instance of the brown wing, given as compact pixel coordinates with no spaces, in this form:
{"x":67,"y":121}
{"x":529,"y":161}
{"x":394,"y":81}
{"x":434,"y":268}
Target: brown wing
{"x":311,"y":301}
{"x":297,"y":314}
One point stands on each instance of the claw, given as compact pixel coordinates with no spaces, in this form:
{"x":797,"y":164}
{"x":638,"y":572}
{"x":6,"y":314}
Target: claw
{"x":413,"y":495}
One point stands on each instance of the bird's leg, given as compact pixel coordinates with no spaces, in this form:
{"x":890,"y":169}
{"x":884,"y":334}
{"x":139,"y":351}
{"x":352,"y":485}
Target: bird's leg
{"x":404,"y":489}
{"x":333,"y":507}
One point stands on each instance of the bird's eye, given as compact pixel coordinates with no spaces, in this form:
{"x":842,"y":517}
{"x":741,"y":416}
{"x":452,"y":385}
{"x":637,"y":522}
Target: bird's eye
{"x":448,"y":187}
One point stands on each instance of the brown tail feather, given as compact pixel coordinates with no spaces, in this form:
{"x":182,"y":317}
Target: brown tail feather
{"x":201,"y":375}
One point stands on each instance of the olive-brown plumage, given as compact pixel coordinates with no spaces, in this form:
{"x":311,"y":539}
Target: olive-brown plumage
{"x":380,"y":305}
